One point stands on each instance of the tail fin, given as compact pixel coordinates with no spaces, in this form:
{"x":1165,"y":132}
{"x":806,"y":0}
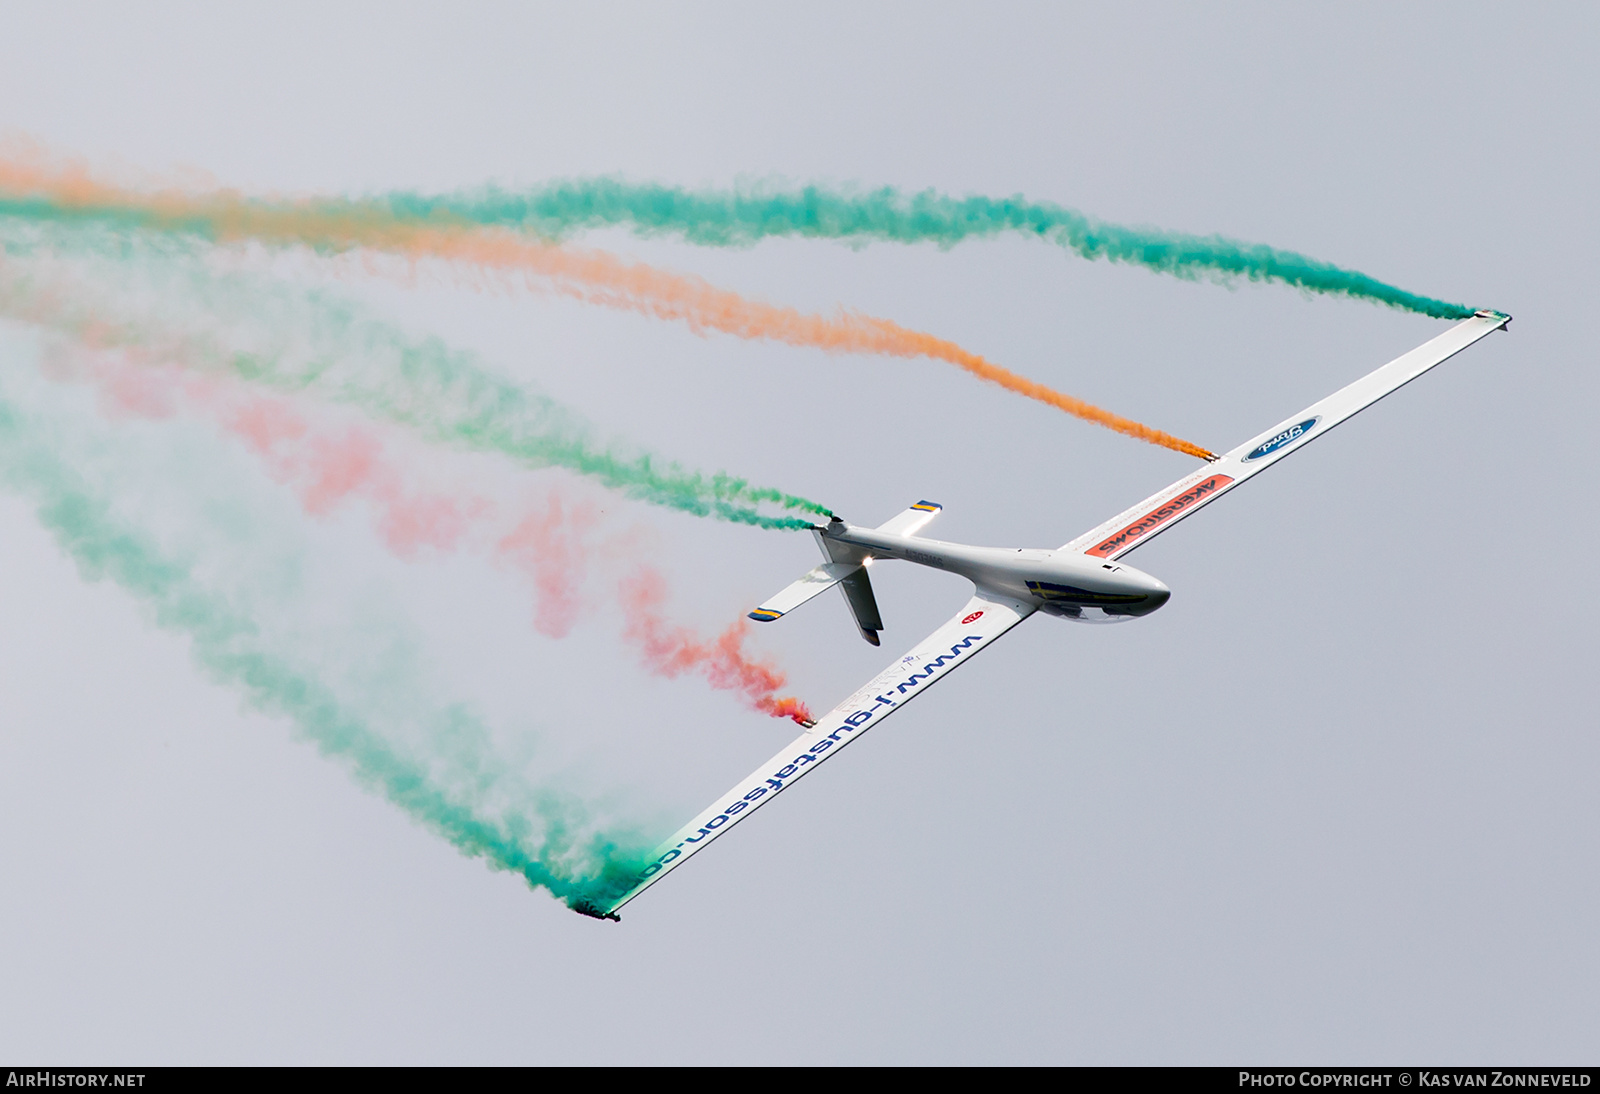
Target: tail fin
{"x":857,"y":588}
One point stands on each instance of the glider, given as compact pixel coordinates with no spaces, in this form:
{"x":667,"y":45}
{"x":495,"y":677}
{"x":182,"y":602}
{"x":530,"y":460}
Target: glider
{"x":1082,"y":580}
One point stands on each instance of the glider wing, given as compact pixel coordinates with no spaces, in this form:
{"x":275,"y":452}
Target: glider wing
{"x":1161,"y":511}
{"x":974,"y":628}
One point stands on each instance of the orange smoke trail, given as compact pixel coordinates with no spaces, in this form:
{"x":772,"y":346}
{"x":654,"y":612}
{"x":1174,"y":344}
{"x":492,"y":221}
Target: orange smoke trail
{"x":604,"y":279}
{"x":592,"y":276}
{"x":672,"y":651}
{"x":328,"y":468}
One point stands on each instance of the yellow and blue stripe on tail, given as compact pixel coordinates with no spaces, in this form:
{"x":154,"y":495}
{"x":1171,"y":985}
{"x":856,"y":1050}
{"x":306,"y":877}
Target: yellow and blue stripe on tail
{"x":908,"y":522}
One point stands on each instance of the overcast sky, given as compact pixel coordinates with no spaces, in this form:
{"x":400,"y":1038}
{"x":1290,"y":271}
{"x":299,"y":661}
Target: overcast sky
{"x":1334,"y":802}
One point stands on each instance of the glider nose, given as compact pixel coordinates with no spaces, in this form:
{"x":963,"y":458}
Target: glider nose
{"x":1156,"y":592}
{"x":1153,"y":590}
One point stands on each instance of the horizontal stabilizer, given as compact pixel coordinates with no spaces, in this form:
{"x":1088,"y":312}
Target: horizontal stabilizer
{"x":847,"y":564}
{"x":912,"y":521}
{"x":815,"y":581}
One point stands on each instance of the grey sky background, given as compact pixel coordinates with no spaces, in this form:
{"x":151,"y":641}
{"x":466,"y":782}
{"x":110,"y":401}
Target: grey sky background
{"x":1335,"y":802}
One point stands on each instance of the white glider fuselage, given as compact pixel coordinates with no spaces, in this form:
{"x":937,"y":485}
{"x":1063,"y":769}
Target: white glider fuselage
{"x":1068,"y":584}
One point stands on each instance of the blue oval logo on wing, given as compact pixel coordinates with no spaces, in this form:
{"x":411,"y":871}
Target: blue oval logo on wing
{"x":1282,"y":440}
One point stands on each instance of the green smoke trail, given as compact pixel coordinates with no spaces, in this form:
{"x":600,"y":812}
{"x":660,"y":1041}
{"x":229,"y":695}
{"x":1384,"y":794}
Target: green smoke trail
{"x":742,"y":216}
{"x":312,"y":342}
{"x":745,"y":215}
{"x":46,"y":210}
{"x":432,"y":760}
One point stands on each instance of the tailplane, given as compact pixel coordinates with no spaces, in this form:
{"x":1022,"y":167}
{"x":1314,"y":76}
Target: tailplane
{"x":846,"y":567}
{"x":912,"y":521}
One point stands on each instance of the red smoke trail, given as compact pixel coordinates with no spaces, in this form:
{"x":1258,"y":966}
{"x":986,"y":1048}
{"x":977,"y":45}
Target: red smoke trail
{"x":550,"y":546}
{"x":325,"y":469}
{"x":549,"y":543}
{"x":671,"y":651}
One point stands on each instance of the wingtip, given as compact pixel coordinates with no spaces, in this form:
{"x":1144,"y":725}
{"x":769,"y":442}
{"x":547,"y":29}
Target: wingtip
{"x":585,"y":908}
